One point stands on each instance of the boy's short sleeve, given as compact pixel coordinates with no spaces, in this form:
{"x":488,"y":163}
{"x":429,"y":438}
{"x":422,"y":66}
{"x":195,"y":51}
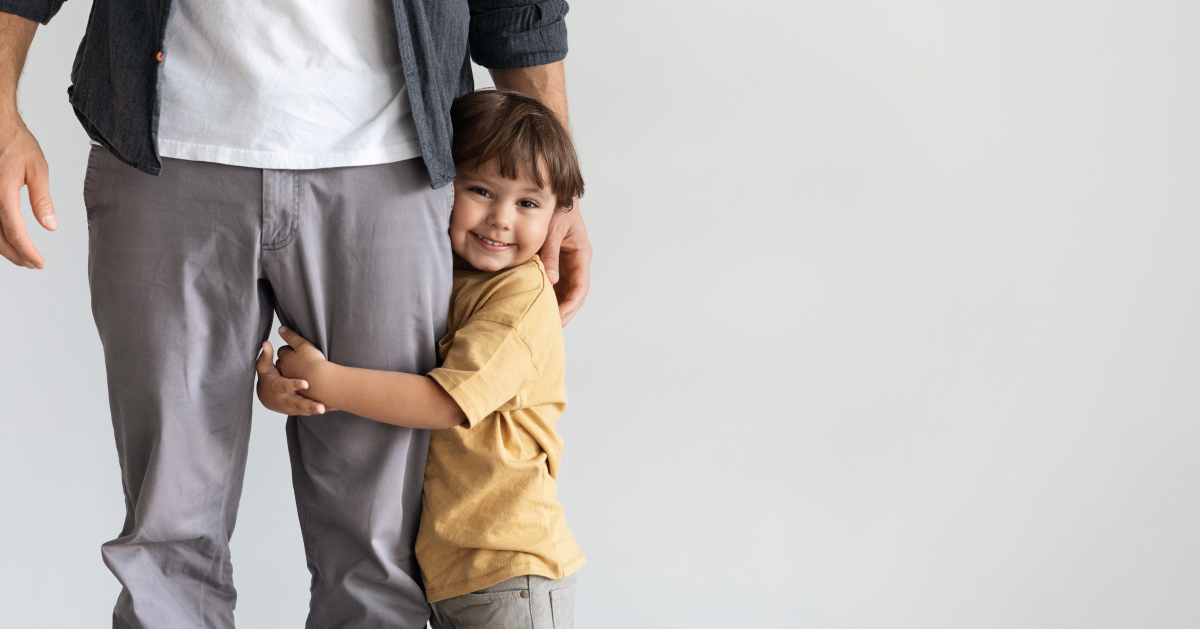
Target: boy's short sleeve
{"x":487,"y":365}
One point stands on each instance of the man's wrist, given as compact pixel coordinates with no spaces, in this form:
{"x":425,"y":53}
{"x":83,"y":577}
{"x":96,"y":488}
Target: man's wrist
{"x":547,"y":83}
{"x":11,"y":121}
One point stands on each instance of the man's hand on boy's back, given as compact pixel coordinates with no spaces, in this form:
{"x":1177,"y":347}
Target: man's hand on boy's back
{"x":567,"y":255}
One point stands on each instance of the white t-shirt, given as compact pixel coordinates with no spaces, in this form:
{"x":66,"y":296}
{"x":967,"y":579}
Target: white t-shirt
{"x":287,"y":84}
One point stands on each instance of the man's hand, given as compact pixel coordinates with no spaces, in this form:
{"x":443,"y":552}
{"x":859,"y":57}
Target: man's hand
{"x":21,"y":161}
{"x":280,"y":394}
{"x":567,"y":255}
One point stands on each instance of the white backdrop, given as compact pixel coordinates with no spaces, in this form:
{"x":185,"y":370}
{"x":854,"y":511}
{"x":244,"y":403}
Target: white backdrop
{"x":893,"y":325}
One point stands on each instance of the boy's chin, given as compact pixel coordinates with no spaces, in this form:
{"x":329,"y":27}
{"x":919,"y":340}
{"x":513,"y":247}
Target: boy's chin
{"x":485,"y":263}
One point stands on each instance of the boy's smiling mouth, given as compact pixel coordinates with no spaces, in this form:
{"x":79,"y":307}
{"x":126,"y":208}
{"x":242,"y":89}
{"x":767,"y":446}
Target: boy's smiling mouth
{"x":491,"y":245}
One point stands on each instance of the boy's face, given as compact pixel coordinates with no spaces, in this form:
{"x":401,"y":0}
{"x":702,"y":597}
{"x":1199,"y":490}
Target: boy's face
{"x":497,"y":222}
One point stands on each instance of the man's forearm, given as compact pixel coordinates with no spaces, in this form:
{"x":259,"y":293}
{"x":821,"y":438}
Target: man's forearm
{"x":16,"y":34}
{"x":401,"y":399}
{"x":546,"y":83}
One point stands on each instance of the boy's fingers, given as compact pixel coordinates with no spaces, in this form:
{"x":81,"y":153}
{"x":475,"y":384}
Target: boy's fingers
{"x":289,"y":386}
{"x":300,"y":405}
{"x":293,"y":339}
{"x":265,"y":363}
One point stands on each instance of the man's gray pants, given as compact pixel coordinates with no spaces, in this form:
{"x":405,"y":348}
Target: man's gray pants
{"x":186,"y":271}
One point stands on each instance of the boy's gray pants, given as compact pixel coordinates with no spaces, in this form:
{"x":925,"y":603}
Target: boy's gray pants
{"x":186,"y":270}
{"x":528,"y":602}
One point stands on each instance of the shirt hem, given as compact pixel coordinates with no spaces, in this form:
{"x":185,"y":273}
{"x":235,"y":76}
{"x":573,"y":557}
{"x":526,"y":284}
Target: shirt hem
{"x":436,"y":595}
{"x":287,"y":161}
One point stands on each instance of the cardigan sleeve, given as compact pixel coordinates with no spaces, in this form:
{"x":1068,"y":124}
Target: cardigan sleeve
{"x":508,"y":34}
{"x":36,"y":10}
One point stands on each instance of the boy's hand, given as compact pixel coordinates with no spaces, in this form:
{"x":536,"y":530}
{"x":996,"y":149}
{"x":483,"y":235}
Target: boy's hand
{"x":299,"y":358}
{"x":281,"y":394}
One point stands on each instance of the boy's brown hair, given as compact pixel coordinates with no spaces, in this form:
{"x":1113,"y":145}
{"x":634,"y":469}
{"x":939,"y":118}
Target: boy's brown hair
{"x":523,"y":134}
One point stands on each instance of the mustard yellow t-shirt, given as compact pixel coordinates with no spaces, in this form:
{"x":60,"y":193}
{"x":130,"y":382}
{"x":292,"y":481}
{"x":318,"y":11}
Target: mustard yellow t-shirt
{"x":491,"y":510}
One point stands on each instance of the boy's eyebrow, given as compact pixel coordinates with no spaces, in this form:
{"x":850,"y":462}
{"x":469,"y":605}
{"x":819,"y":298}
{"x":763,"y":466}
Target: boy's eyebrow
{"x":490,"y":180}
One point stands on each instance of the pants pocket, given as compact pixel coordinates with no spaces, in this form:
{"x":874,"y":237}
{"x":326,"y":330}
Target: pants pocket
{"x":562,"y":608}
{"x":89,"y":174}
{"x":498,"y":610}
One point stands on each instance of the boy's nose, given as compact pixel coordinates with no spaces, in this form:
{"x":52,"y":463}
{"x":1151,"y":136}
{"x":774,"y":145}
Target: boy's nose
{"x":501,"y":219}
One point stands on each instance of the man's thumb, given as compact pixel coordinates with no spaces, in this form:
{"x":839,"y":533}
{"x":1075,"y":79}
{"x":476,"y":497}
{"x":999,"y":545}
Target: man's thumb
{"x":549,"y":255}
{"x":38,"y":182}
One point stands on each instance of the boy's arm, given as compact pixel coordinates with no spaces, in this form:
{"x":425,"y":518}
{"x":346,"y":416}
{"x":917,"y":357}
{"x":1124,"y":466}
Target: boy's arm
{"x":401,"y":399}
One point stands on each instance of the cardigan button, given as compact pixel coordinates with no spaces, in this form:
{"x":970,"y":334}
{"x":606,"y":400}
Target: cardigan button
{"x":159,"y":57}
{"x":524,"y":593}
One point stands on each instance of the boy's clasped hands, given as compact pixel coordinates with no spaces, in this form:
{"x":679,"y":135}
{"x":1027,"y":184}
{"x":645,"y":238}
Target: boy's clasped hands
{"x":280,"y":384}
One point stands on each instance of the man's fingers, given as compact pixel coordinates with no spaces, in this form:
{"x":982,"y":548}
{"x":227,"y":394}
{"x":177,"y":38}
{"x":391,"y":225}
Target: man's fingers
{"x":8,"y":252}
{"x":574,"y":288}
{"x":571,"y":304}
{"x":568,"y":252}
{"x":12,"y":226}
{"x":551,"y":250}
{"x":37,"y":179}
{"x":22,"y":165}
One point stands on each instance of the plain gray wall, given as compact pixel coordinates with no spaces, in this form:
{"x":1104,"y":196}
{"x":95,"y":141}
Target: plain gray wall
{"x":893,"y":325}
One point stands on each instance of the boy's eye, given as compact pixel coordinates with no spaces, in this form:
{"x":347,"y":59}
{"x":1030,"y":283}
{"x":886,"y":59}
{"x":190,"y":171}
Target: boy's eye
{"x":528,"y":203}
{"x":481,"y":192}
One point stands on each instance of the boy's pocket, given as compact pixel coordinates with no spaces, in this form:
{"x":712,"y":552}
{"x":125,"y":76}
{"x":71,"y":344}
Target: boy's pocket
{"x":562,"y":608}
{"x":488,"y":609}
